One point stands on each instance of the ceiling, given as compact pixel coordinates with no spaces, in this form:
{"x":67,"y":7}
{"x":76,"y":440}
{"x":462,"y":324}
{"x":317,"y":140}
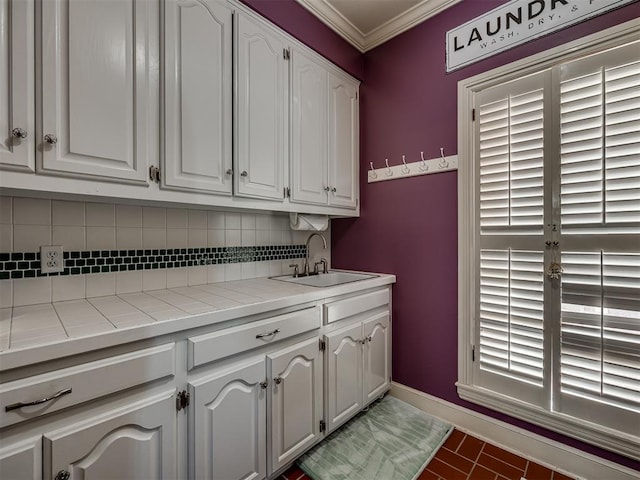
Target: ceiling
{"x":368,"y":23}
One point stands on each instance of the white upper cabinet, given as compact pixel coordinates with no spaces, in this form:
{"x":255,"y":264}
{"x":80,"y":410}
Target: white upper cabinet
{"x":343,"y":141}
{"x":325,"y":135}
{"x":99,"y":88}
{"x":17,"y":150}
{"x":309,"y":130}
{"x":262,"y":98}
{"x":197,"y":95}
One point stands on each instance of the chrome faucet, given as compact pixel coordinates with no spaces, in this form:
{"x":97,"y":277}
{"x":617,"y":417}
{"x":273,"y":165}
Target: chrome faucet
{"x":306,"y":260}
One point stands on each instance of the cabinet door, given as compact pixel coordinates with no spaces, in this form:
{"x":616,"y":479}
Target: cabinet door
{"x":343,"y":142}
{"x":262,"y":111}
{"x":228,"y":424}
{"x":309,"y":129}
{"x":17,"y":110}
{"x":133,"y":442}
{"x":99,"y":88}
{"x":344,"y":374}
{"x":198,"y":95}
{"x":21,"y":460}
{"x":296,"y":401}
{"x":377,"y":356}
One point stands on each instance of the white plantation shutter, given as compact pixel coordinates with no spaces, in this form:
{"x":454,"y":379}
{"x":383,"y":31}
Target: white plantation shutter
{"x":511,"y":144}
{"x":557,"y":177}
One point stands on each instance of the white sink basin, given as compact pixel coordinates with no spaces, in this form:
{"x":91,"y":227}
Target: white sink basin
{"x":325,"y":279}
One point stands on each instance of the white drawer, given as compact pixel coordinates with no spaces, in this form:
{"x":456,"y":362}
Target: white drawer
{"x":83,"y":382}
{"x":230,"y":341}
{"x":350,"y":306}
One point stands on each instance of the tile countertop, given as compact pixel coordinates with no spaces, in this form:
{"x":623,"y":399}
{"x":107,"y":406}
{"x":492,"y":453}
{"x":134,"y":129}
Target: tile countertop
{"x":35,"y":333}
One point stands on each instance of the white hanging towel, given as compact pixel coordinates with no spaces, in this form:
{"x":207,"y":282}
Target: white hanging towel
{"x":300,"y":221}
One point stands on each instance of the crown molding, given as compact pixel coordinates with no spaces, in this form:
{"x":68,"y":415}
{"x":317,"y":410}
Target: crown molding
{"x":397,"y":25}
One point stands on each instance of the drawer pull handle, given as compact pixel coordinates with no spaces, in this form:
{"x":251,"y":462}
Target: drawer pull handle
{"x":15,"y":406}
{"x":268,"y":334}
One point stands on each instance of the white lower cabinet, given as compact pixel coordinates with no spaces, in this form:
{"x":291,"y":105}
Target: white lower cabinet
{"x":296,"y":401}
{"x":22,"y":460}
{"x":136,"y":441}
{"x":228,"y":428}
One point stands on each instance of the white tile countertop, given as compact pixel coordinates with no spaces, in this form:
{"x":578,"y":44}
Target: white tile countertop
{"x":35,"y":333}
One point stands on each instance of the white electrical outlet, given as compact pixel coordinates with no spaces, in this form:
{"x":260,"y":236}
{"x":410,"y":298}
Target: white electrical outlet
{"x":51,"y":259}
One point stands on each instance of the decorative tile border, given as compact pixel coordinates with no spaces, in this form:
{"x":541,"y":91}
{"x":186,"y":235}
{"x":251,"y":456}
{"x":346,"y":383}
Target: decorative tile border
{"x":27,"y":264}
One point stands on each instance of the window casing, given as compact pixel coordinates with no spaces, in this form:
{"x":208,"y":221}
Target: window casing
{"x":550,"y":177}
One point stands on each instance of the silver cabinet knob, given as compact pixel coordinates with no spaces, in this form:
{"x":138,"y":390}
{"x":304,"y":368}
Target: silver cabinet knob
{"x":243,"y":173}
{"x":326,"y":189}
{"x":50,"y":139}
{"x":278,"y":380}
{"x":334,"y":190}
{"x":229,"y":172}
{"x":19,"y":133}
{"x":264,"y":385}
{"x":62,"y":475}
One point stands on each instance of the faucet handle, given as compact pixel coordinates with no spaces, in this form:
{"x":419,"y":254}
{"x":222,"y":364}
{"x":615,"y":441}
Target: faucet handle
{"x":295,"y":269}
{"x":325,"y":265}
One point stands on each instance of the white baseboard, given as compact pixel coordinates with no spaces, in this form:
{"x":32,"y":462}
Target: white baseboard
{"x":542,"y":450}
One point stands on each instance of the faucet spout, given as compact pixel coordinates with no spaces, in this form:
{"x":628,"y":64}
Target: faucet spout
{"x":306,"y":260}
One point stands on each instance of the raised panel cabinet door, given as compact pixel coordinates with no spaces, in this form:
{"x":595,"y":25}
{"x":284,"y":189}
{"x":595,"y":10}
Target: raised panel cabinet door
{"x":295,"y":376}
{"x":21,"y":460}
{"x":344,"y":374}
{"x":262,"y":110}
{"x":343,"y":142}
{"x":198,"y":95}
{"x":99,"y":88}
{"x":17,"y":132}
{"x":377,"y":356}
{"x":138,"y":441}
{"x":227,"y":419}
{"x":309,"y":182}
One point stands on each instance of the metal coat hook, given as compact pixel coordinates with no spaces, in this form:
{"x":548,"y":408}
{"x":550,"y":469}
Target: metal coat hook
{"x":389,"y":172}
{"x":424,"y":167}
{"x":373,"y":171}
{"x":443,"y":162}
{"x":405,"y":168}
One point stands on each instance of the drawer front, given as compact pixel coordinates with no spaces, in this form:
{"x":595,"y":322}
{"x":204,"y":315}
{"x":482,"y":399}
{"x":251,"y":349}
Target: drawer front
{"x":230,"y":341}
{"x":351,"y":306}
{"x":85,"y":382}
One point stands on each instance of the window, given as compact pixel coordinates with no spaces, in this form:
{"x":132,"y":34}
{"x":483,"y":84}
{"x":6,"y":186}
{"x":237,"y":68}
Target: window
{"x":549,"y":239}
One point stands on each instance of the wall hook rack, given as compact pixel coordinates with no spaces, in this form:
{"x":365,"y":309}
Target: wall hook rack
{"x":421,"y":167}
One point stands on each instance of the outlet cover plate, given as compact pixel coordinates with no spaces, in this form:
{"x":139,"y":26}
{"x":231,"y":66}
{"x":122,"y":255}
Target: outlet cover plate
{"x":51,"y":259}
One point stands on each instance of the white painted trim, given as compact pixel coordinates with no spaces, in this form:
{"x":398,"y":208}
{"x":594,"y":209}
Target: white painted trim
{"x":542,"y":450}
{"x":393,"y":27}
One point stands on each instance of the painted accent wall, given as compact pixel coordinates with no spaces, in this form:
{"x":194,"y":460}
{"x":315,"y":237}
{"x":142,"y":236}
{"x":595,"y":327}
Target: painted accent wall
{"x":409,"y":227}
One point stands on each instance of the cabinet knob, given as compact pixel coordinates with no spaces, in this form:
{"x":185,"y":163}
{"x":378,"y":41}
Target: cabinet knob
{"x":50,"y":139}
{"x":243,"y":173}
{"x":326,"y":189}
{"x":62,"y":475}
{"x":229,"y":172}
{"x":19,"y":133}
{"x":264,"y":385}
{"x":334,"y":190}
{"x":369,"y":339}
{"x":278,"y":380}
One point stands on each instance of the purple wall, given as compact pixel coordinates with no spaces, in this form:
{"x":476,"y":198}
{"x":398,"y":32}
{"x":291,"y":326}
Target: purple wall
{"x":300,"y":23}
{"x":409,"y":227}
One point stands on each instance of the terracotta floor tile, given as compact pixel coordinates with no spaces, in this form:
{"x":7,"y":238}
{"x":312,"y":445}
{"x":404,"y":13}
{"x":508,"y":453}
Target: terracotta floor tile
{"x":560,"y":476}
{"x":506,"y":457}
{"x":455,"y":460}
{"x":427,"y":475}
{"x":454,"y":440}
{"x":500,"y":467}
{"x":445,"y":471}
{"x":481,"y":473}
{"x":294,"y":473}
{"x":537,"y":472}
{"x":470,"y":447}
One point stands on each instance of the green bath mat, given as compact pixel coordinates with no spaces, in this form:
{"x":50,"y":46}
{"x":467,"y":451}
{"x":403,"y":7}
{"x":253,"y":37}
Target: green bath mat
{"x":391,"y":441}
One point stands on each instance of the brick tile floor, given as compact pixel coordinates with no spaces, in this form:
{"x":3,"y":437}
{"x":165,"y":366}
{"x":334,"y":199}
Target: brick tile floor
{"x":464,"y":457}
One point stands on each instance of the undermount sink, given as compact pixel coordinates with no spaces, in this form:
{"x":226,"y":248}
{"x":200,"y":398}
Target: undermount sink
{"x":325,"y":279}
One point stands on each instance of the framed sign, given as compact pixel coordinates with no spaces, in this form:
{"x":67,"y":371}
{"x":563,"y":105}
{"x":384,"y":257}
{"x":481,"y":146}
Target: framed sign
{"x":517,"y":22}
